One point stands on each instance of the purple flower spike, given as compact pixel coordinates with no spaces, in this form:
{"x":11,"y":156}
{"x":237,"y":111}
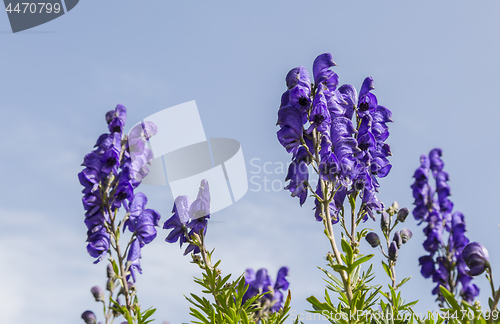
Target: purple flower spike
{"x":476,"y":257}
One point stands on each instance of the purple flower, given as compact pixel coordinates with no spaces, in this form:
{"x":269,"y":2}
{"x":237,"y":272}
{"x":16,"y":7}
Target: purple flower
{"x":427,"y":266}
{"x":476,"y":257}
{"x":435,"y":208}
{"x":291,"y":130}
{"x":260,"y":282}
{"x":133,"y":258}
{"x":116,"y":119}
{"x":142,"y":221}
{"x":98,"y":242}
{"x":192,"y":217}
{"x":298,"y":174}
{"x":178,"y":221}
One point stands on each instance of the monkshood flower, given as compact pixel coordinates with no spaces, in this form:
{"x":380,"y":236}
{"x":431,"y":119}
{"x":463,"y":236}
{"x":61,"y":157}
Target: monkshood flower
{"x":316,"y":127}
{"x":112,"y":172}
{"x":260,"y":282}
{"x":444,"y":231}
{"x":476,"y":257}
{"x":189,"y":219}
{"x":142,"y":221}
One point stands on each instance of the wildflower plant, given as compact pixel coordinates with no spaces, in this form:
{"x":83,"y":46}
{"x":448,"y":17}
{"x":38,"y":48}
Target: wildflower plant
{"x":340,"y":135}
{"x":113,"y":171}
{"x":251,"y":298}
{"x":337,"y":140}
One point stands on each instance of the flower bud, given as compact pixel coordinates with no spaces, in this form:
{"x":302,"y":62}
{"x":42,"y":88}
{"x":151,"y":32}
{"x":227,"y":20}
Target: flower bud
{"x":395,"y":206}
{"x":384,"y":222}
{"x":89,"y":317}
{"x":373,"y":239}
{"x":406,"y":235}
{"x":110,"y":285}
{"x":402,"y":214}
{"x":397,"y":238}
{"x":393,"y":251}
{"x":476,"y":257}
{"x":110,"y":272}
{"x":98,"y":293}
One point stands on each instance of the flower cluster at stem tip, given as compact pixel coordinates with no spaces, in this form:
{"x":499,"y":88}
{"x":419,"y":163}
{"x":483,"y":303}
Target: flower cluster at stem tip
{"x":113,"y":170}
{"x":433,"y":207}
{"x":316,"y":124}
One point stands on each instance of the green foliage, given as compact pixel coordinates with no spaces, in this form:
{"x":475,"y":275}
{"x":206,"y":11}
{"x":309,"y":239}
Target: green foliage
{"x":228,"y":306}
{"x":364,"y":295}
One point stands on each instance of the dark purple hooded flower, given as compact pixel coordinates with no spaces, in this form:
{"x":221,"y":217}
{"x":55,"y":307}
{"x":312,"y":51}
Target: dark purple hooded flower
{"x":98,"y":242}
{"x":298,"y":174}
{"x":291,"y":129}
{"x":476,"y":257}
{"x":142,"y":221}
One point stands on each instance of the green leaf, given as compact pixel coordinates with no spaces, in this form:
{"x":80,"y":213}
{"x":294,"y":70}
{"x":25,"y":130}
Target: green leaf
{"x":115,"y":268}
{"x":402,"y":282}
{"x":339,"y":267}
{"x":450,"y":298}
{"x":362,"y":260}
{"x":346,"y":247}
{"x":386,"y":268}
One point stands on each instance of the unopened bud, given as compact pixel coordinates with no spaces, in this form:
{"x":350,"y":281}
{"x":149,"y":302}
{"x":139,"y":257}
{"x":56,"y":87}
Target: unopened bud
{"x":384,"y":222}
{"x":373,"y":239}
{"x":395,"y":206}
{"x":110,"y":272}
{"x":402,"y":214}
{"x":110,"y":285}
{"x":89,"y":317}
{"x":393,"y":251}
{"x":98,"y":293}
{"x":406,"y":235}
{"x":397,"y":238}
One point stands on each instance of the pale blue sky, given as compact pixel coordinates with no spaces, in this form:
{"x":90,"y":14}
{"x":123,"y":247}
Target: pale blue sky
{"x":435,"y":65}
